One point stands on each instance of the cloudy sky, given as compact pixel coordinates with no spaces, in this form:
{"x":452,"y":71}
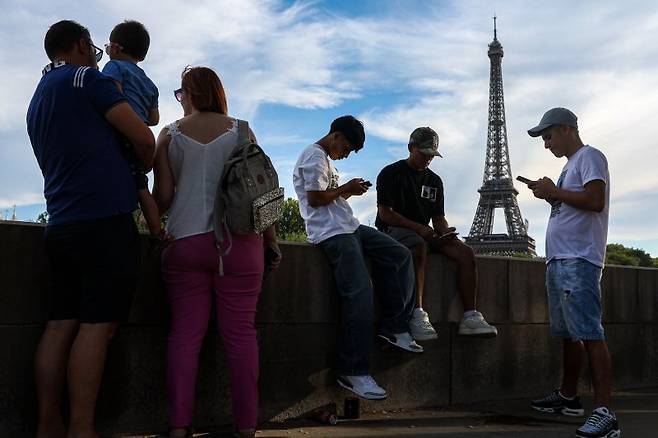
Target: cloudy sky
{"x":292,"y":67}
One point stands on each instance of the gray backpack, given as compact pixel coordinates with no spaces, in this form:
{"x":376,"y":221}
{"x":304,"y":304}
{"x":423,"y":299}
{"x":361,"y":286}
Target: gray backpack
{"x":249,"y":199}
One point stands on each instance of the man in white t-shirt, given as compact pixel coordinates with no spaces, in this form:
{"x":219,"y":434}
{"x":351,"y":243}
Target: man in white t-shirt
{"x":331,"y":224}
{"x":575,"y":251}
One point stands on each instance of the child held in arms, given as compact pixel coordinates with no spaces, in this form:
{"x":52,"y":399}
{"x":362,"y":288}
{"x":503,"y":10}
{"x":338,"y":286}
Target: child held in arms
{"x":129,"y":43}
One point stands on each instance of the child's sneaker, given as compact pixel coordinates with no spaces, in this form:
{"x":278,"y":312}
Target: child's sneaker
{"x":402,"y":340}
{"x":475,"y":325}
{"x":555,"y":403}
{"x":420,"y":327}
{"x":363,"y":386}
{"x":601,"y":424}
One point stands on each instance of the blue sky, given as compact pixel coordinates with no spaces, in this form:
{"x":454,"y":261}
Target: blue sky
{"x":292,"y":67}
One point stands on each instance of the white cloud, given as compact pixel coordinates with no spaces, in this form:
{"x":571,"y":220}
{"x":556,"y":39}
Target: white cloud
{"x":594,"y":57}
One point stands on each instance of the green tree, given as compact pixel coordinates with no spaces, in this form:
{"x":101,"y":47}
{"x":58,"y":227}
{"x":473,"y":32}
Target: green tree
{"x":43,"y":217}
{"x":291,"y":225}
{"x":523,"y":255}
{"x":618,"y":254}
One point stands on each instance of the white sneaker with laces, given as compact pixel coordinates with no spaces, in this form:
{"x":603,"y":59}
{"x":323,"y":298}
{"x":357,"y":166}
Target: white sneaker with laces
{"x":476,"y":325}
{"x":601,"y":424}
{"x":402,"y":340}
{"x":420,"y":327}
{"x":363,"y":386}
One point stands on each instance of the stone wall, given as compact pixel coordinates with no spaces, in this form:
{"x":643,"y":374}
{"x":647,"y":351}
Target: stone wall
{"x":298,"y":335}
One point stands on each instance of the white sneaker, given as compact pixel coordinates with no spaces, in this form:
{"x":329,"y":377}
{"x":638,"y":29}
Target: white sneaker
{"x":601,"y":424}
{"x":363,"y":386}
{"x":476,"y":325}
{"x":420,"y":327}
{"x":402,"y":340}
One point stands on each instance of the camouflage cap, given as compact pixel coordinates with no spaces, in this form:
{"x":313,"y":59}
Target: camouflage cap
{"x":426,"y":140}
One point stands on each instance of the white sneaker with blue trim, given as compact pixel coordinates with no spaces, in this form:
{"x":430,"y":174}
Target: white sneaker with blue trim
{"x":601,"y":424}
{"x":363,"y":386}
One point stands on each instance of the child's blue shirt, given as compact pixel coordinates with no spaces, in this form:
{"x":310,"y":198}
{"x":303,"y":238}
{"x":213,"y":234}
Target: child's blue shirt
{"x":140,"y":92}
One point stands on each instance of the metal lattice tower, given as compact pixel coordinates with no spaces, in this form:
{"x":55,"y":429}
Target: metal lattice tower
{"x":497,"y":189}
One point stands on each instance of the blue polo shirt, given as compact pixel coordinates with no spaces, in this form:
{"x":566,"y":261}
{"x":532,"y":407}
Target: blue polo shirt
{"x":140,"y":91}
{"x":85,"y":174}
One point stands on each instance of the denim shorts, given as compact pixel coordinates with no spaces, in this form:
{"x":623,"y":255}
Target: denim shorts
{"x":574,"y":299}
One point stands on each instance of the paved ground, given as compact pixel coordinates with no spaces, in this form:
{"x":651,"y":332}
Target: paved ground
{"x":637,"y":412}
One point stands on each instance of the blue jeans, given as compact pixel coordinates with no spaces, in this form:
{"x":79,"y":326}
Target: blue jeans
{"x":574,"y":299}
{"x":392,"y":278}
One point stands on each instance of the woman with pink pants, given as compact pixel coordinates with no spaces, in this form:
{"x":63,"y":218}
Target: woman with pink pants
{"x":189,"y":161}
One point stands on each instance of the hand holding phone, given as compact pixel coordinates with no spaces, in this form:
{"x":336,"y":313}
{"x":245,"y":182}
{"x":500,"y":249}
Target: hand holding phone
{"x":448,"y":235}
{"x":523,"y":179}
{"x":366,"y":184}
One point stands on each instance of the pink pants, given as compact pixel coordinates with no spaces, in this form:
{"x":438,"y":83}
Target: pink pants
{"x":190,"y":272}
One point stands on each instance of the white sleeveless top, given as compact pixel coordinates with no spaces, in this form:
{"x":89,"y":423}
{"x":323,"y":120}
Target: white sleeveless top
{"x":196,"y":169}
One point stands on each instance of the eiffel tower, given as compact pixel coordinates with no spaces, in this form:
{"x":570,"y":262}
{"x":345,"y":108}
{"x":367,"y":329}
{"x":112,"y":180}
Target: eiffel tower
{"x":497,"y":189}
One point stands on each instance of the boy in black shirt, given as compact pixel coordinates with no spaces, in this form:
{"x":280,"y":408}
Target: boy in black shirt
{"x":409,"y":194}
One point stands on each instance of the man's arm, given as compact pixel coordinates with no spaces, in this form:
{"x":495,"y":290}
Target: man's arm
{"x":591,"y":199}
{"x":154,"y":116}
{"x":441,"y":225}
{"x":320,"y":198}
{"x":395,"y":219}
{"x":124,"y":119}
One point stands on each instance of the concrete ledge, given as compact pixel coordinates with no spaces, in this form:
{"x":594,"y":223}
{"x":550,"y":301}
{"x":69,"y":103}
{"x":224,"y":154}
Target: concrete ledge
{"x":619,"y":290}
{"x":298,"y":334}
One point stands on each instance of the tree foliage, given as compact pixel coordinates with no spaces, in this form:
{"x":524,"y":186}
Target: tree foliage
{"x":618,"y":254}
{"x":291,"y":226}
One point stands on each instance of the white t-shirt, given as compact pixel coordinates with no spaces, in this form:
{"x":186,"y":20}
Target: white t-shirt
{"x":314,"y":172}
{"x":572,"y":232}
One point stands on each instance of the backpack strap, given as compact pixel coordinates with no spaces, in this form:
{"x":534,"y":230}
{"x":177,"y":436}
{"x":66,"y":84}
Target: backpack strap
{"x":243,"y":133}
{"x":221,"y":230}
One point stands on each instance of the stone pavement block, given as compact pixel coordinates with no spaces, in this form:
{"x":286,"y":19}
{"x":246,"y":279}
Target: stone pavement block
{"x":619,"y":294}
{"x":414,"y":380}
{"x":441,"y":299}
{"x":527,"y":291}
{"x":654,"y":358}
{"x":627,"y":343}
{"x":648,"y":295}
{"x":295,"y":384}
{"x":294,"y":341}
{"x":289,"y":388}
{"x":301,"y":290}
{"x":523,"y":361}
{"x":18,"y":409}
{"x":493,"y":288}
{"x":133,"y":390}
{"x":149,"y":304}
{"x":25,"y":274}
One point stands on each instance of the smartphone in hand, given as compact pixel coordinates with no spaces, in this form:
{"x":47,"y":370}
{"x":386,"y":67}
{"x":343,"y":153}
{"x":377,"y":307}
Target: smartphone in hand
{"x":448,"y":235}
{"x":366,"y":184}
{"x":523,"y":179}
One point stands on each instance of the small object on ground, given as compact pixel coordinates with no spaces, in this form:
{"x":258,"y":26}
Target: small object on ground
{"x":325,"y":414}
{"x":351,"y":409}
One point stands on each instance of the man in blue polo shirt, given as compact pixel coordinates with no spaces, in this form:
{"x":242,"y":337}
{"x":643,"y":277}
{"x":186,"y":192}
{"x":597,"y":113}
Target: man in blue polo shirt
{"x":91,"y":239}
